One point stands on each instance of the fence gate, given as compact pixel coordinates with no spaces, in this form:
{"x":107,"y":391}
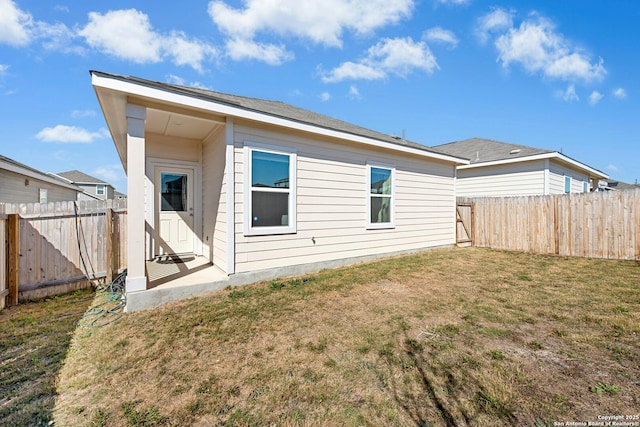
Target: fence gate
{"x":464,"y":226}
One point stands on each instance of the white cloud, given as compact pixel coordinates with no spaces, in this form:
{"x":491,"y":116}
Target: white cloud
{"x":497,"y":20}
{"x":15,"y":24}
{"x":110,"y":173}
{"x":77,"y":114}
{"x":453,"y":1}
{"x":177,"y":80}
{"x":399,"y":56}
{"x":440,"y":35}
{"x":325,"y":96}
{"x":241,"y":49}
{"x":128,"y":34}
{"x":570,"y":94}
{"x":620,"y":93}
{"x":70,"y":135}
{"x":321,"y":22}
{"x":595,"y":97}
{"x":354,"y":93}
{"x":3,"y":69}
{"x":538,"y":48}
{"x":125,"y":34}
{"x":612,"y":168}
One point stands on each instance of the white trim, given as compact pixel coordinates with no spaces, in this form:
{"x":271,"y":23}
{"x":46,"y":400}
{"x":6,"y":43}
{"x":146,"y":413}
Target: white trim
{"x":554,"y":155}
{"x":156,"y":162}
{"x":291,"y":228}
{"x":115,"y":84}
{"x":392,"y":223}
{"x":231,"y":197}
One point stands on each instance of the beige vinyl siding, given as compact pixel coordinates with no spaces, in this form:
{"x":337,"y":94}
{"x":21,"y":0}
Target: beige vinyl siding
{"x":213,"y":201}
{"x":515,"y":179}
{"x":165,"y":147}
{"x":332,"y":204}
{"x":557,"y":173}
{"x":14,"y":190}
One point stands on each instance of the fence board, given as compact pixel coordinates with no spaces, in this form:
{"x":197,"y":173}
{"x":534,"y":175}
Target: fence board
{"x":62,"y":241}
{"x":594,"y":225}
{"x":4,"y":291}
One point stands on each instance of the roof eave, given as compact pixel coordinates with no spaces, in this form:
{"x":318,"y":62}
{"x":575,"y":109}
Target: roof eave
{"x":551,"y":155}
{"x":108,"y":85}
{"x":36,"y":175}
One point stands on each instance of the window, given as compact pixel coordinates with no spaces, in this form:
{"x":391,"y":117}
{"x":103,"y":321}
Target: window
{"x":585,"y":187}
{"x":100,"y":190}
{"x":43,"y":195}
{"x":380,"y":200}
{"x":567,"y":184}
{"x":270,"y":189}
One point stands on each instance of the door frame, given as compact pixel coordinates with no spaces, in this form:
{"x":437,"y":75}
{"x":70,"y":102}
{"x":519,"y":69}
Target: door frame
{"x":153,"y":215}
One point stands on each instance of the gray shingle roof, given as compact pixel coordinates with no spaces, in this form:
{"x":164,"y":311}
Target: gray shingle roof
{"x":480,"y":150}
{"x":275,"y":109}
{"x":78,"y":177}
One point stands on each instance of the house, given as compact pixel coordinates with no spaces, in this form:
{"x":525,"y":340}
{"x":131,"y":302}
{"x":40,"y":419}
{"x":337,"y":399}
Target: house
{"x":502,"y":169}
{"x":261,"y":189}
{"x":93,"y":188}
{"x":119,"y":196}
{"x":23,"y":184}
{"x":612,"y":184}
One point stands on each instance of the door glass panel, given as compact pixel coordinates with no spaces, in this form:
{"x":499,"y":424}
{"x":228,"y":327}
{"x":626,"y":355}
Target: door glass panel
{"x":173,"y":192}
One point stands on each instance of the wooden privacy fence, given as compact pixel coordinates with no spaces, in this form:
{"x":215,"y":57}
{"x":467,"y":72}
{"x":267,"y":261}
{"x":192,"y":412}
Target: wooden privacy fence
{"x":593,"y":225}
{"x":57,"y":246}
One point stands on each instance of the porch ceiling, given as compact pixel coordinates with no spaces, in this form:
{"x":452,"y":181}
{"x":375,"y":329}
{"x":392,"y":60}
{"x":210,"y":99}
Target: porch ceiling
{"x":180,"y":125}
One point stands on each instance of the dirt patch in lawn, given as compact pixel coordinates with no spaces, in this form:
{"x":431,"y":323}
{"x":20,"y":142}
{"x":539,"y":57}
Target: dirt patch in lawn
{"x":446,"y":337}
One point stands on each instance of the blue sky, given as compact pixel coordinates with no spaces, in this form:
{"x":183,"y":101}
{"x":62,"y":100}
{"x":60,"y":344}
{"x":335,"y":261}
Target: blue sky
{"x":560,"y":75}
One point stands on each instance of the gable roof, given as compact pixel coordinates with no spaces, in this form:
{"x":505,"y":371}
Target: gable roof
{"x":77,"y":177}
{"x":267,"y":111}
{"x":486,"y":152}
{"x":16,"y":167}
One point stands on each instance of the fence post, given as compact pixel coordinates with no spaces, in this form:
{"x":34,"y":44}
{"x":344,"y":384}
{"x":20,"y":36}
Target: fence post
{"x":13,"y":231}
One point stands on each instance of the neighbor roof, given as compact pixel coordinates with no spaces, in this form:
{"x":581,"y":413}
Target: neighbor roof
{"x":485,"y":152}
{"x":479,"y":150}
{"x":17,"y":167}
{"x":78,"y":177}
{"x":275,"y":109}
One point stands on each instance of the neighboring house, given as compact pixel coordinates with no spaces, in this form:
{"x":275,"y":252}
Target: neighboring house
{"x":502,"y":169}
{"x":20,"y":183}
{"x":612,"y":184}
{"x":93,"y":188}
{"x":119,"y":196}
{"x":262,"y":186}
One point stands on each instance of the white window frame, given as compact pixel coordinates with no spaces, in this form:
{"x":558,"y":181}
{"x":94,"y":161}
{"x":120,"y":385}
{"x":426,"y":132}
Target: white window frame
{"x":585,"y":186}
{"x":249,"y":230}
{"x":392,"y":223}
{"x":43,"y":195}
{"x":100,"y":189}
{"x":567,"y":179}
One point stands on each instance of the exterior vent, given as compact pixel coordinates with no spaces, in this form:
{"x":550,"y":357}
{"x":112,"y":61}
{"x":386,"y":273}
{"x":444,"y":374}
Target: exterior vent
{"x":516,"y":151}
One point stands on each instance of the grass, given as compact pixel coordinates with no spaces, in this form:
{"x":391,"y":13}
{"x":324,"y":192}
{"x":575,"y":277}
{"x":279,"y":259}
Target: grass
{"x":34,"y":339}
{"x":446,"y":337}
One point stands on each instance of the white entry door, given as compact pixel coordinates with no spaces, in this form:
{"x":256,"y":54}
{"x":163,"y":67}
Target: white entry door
{"x":174,"y":195}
